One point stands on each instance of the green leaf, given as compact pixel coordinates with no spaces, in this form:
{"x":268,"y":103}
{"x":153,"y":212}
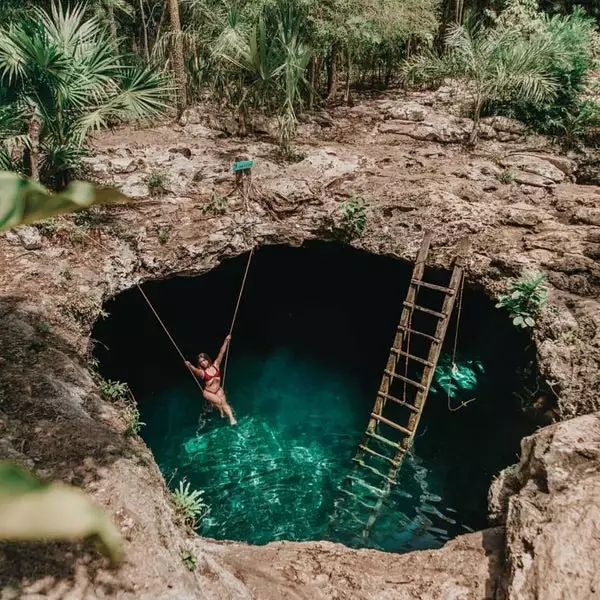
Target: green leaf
{"x":529,"y":322}
{"x":516,"y":294}
{"x":518,"y":321}
{"x":24,"y":201}
{"x":31,"y":510}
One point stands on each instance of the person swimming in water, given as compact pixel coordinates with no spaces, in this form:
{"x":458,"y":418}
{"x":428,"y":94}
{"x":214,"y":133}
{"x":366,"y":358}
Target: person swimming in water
{"x":209,"y":371}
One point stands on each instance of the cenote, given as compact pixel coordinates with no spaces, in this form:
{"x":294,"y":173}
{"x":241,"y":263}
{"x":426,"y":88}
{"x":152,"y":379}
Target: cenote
{"x":312,"y":336}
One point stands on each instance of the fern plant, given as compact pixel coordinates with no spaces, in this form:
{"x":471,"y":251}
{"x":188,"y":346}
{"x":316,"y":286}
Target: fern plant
{"x":112,"y":390}
{"x":217,"y":204}
{"x":133,"y":417}
{"x":189,"y":504}
{"x":525,"y":298}
{"x":354,"y":216}
{"x":156,"y":181}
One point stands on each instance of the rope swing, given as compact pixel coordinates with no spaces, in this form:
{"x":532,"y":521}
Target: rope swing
{"x":160,"y":321}
{"x":454,"y":368}
{"x":235,"y":312}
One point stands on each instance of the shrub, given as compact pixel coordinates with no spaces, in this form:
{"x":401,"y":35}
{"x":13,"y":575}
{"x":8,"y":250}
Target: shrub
{"x":570,"y":40}
{"x":525,"y":298}
{"x":497,"y":65}
{"x":354,"y":216}
{"x":112,"y":390}
{"x":156,"y":181}
{"x":578,"y":125}
{"x":132,"y":415}
{"x":217,"y":204}
{"x":163,"y":236}
{"x":189,"y":559}
{"x":506,"y":176}
{"x":189,"y":504}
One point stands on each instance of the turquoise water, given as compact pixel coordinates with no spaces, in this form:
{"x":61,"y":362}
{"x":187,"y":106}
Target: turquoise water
{"x":276,"y":475}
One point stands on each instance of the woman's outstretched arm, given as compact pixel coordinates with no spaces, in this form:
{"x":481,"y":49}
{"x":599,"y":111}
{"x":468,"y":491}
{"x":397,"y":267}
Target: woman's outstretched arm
{"x":222,"y":351}
{"x":193,"y":369}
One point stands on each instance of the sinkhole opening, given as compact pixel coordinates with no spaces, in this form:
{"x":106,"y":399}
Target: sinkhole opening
{"x":312,"y":337}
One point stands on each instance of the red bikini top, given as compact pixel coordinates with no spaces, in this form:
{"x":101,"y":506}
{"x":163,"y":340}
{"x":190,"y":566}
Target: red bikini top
{"x":208,"y":377}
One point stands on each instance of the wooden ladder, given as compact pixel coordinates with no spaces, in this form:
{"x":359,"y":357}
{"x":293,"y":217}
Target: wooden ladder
{"x":380,"y":453}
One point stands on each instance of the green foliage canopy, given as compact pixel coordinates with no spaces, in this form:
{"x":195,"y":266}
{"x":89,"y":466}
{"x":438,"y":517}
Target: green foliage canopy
{"x":58,"y":69}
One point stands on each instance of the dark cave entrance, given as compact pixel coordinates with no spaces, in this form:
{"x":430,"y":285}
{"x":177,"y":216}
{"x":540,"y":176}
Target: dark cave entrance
{"x":312,"y":337}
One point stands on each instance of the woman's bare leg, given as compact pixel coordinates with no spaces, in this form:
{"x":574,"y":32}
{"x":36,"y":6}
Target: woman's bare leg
{"x":214,"y":400}
{"x":220,"y":401}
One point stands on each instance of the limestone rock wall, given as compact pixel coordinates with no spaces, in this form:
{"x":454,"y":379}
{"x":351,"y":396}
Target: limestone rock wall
{"x":549,"y":506}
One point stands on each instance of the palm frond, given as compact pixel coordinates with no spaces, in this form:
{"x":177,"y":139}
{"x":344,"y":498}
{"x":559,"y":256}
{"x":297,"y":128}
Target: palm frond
{"x":143,"y":95}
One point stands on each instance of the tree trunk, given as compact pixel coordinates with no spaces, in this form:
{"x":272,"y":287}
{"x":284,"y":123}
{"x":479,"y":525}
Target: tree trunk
{"x":112,"y":24}
{"x":178,"y":60}
{"x":460,"y":5}
{"x":348,"y":76}
{"x":476,"y":118}
{"x":445,"y":22}
{"x":332,"y":73}
{"x":34,"y":155}
{"x":144,"y":32}
{"x":312,"y":82}
{"x":158,"y":32}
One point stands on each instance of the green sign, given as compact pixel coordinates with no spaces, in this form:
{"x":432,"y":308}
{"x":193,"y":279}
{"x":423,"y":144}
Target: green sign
{"x":243,"y":165}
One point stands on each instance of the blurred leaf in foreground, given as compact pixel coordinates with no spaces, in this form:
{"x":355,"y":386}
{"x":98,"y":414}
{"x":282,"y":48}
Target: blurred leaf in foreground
{"x":32,"y":510}
{"x":24,"y":201}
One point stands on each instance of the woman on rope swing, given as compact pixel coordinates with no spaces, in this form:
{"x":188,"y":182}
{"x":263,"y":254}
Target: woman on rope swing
{"x":209,"y":371}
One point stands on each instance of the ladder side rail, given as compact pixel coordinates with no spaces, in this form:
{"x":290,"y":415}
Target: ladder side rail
{"x":418,"y":271}
{"x":426,"y":380}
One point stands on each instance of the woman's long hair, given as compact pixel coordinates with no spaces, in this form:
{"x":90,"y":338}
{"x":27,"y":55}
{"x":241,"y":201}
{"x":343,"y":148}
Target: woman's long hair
{"x":204,"y":356}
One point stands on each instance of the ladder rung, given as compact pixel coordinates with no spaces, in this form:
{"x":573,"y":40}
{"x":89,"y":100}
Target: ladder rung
{"x":367,"y":486}
{"x":351,"y":514}
{"x":398,"y":401}
{"x":373,"y":470}
{"x":425,"y":335}
{"x":435,"y":313}
{"x":385,"y":440}
{"x":367,"y":449}
{"x":431,"y":286}
{"x":411,"y":356}
{"x":391,"y":424}
{"x":420,"y":386}
{"x":357,"y":499}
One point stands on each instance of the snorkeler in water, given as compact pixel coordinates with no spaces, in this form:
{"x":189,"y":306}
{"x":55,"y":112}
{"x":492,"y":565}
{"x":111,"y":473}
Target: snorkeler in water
{"x":209,"y":371}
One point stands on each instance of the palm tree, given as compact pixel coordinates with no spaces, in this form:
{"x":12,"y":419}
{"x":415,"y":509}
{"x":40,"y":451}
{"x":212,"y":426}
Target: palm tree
{"x":60,"y":80}
{"x":178,"y":60}
{"x":496,"y":65}
{"x":105,"y":11}
{"x":267,"y":72}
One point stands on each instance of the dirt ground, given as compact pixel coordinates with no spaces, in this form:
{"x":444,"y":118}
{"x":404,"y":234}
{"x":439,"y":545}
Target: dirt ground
{"x":513,"y":195}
